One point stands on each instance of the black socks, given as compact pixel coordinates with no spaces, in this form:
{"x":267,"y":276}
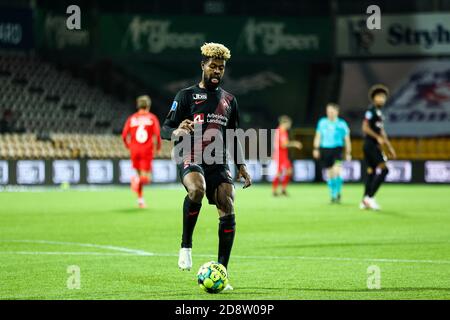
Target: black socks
{"x":227,"y":228}
{"x":190,"y":214}
{"x":377,"y":181}
{"x":369,"y":182}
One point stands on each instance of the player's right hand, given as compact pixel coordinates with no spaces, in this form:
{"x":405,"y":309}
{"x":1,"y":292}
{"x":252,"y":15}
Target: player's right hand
{"x":187,"y":125}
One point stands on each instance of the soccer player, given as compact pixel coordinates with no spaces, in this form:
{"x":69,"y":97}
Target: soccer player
{"x":281,"y":156}
{"x":206,"y":106}
{"x":141,"y":134}
{"x":332,"y":134}
{"x":374,"y":138}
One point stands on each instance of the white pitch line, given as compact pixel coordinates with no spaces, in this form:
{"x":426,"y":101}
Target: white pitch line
{"x":130,"y":252}
{"x":88,"y":245}
{"x":75,"y":253}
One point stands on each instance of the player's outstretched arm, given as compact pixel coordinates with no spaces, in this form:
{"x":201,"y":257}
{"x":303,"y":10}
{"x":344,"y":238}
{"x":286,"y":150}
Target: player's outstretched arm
{"x":294,"y":144}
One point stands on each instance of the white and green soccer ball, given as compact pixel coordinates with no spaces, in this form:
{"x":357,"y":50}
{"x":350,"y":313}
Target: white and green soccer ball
{"x":212,"y":277}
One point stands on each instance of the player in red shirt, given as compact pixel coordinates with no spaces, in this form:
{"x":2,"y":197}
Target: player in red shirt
{"x":140,"y":134}
{"x":281,"y":156}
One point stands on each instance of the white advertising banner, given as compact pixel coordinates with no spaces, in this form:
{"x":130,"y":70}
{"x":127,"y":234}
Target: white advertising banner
{"x":399,"y":171}
{"x":418,"y":34}
{"x":164,"y":171}
{"x":437,"y":171}
{"x":4,"y":174}
{"x":30,"y":171}
{"x":100,"y":171}
{"x":304,"y":170}
{"x":351,"y":171}
{"x":420,"y":106}
{"x":66,"y":171}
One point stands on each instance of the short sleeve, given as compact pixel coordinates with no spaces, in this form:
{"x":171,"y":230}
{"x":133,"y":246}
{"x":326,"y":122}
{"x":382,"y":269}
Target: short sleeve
{"x":178,"y":108}
{"x":320,"y":125}
{"x":345,"y":128}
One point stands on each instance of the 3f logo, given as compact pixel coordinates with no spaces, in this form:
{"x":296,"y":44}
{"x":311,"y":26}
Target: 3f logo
{"x":73,"y":22}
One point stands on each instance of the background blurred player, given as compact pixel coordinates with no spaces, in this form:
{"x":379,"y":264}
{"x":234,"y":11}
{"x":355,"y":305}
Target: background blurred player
{"x":202,"y":105}
{"x":374,"y":138}
{"x":281,"y":155}
{"x":141,"y":134}
{"x":332,"y":134}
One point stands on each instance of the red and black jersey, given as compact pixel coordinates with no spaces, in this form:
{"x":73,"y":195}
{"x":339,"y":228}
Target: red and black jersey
{"x":216,"y":109}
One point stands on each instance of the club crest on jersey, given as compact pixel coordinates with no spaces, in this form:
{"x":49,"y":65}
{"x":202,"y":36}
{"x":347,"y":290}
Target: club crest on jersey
{"x":199,"y":118}
{"x":199,"y":96}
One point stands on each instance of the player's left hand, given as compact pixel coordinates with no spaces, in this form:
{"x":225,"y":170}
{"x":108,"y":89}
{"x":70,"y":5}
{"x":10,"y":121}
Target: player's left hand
{"x":298,"y":145}
{"x":244,"y":174}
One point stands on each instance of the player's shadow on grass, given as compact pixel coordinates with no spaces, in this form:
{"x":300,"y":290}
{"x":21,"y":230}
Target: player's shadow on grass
{"x":391,"y":213}
{"x":130,"y":210}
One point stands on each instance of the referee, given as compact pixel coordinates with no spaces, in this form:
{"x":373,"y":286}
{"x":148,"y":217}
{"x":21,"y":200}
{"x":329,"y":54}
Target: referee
{"x":374,"y":138}
{"x":332,"y":134}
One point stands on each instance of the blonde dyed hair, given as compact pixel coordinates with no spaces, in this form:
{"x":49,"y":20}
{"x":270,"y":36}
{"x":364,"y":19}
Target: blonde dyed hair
{"x":143,"y":102}
{"x":284,"y":119}
{"x":215,"y":51}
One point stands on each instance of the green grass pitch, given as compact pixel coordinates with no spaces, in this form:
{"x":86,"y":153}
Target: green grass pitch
{"x":299,"y":247}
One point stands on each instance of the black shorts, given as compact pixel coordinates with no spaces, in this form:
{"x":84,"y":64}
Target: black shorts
{"x":214,"y":175}
{"x":373,"y":155}
{"x":329,"y":156}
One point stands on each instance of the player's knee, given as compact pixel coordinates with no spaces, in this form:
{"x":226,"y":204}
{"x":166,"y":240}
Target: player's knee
{"x":369,"y":171}
{"x":197,"y":193}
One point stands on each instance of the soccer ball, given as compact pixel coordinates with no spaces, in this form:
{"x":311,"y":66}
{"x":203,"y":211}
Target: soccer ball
{"x":212,"y":277}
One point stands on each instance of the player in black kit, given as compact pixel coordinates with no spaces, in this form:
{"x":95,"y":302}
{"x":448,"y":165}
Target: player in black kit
{"x":374,"y":138}
{"x":206,"y":107}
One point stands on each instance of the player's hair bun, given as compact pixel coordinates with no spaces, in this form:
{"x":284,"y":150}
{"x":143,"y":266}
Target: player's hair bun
{"x":215,"y":50}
